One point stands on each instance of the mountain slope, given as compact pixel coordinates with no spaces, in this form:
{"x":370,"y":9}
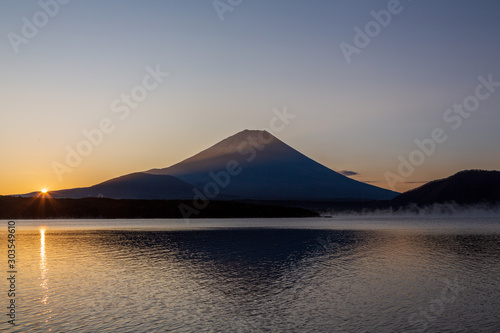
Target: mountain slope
{"x":465,"y":187}
{"x":133,"y":186}
{"x":265,"y":168}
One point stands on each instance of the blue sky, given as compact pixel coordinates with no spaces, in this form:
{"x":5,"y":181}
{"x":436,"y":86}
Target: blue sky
{"x":226,"y":76}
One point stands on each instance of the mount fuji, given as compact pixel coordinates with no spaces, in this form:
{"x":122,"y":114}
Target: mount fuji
{"x":265,"y":168}
{"x":250,"y":165}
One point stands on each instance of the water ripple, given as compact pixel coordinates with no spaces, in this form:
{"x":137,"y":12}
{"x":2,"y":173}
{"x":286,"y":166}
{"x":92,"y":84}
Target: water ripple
{"x":258,"y":280}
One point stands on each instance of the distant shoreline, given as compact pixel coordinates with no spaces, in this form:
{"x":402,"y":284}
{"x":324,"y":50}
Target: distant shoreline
{"x":104,"y":208}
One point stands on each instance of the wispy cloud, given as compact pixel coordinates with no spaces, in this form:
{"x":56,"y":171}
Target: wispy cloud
{"x":348,"y":173}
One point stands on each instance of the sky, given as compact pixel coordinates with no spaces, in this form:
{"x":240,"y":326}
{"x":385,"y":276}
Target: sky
{"x":127,"y":86}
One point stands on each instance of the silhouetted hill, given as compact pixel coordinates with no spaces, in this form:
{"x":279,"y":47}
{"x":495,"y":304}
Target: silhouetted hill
{"x":465,"y":188}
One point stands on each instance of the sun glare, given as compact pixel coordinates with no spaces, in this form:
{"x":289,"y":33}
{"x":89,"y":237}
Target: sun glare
{"x":44,"y":190}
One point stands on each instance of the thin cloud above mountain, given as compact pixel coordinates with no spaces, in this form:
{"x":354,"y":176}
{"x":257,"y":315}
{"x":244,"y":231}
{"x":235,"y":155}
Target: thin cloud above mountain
{"x":348,"y":173}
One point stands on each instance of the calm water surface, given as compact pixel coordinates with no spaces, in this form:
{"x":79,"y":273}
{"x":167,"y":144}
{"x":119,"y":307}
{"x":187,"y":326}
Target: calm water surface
{"x":278,"y":275}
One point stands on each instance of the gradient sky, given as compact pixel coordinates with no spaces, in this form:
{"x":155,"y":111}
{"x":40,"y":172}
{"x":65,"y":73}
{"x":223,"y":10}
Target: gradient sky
{"x":226,"y":76}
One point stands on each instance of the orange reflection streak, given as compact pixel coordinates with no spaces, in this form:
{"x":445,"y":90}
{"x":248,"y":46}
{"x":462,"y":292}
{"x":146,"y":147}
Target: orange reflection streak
{"x":43,"y":267}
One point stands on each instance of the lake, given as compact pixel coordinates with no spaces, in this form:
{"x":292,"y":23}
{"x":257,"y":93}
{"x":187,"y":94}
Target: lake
{"x":341,"y":274}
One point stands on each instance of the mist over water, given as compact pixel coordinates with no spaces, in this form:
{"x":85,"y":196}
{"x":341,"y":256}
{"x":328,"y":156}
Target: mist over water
{"x":437,"y":210}
{"x":282,"y":275}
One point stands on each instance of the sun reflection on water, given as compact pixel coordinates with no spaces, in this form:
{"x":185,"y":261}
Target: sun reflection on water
{"x":43,"y":267}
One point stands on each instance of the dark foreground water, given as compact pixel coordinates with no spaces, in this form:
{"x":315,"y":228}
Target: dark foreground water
{"x":286,"y":275}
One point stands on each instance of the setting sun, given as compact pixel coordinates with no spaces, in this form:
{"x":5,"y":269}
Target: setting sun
{"x":44,"y":190}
